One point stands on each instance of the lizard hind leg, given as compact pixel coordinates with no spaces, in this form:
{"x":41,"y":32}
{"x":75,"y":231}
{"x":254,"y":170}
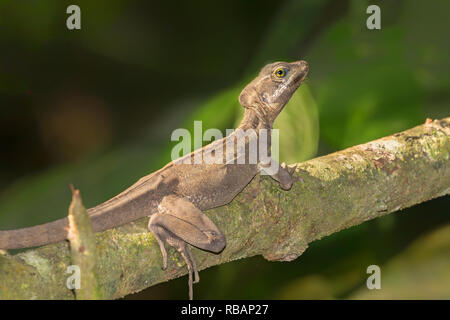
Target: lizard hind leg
{"x":178,"y":223}
{"x":162,"y":236}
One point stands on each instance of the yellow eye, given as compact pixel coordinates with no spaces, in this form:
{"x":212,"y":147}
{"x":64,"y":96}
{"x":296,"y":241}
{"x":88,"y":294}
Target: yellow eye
{"x":280,"y":72}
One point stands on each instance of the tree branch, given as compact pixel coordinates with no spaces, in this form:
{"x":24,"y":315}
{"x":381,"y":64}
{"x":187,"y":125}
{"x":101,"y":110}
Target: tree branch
{"x":334,"y":192}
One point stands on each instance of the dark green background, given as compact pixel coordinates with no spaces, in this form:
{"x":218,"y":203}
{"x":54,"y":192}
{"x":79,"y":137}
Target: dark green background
{"x":96,"y":107}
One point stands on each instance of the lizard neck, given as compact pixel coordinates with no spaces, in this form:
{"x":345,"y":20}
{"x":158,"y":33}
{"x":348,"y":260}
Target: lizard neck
{"x":252,"y":120}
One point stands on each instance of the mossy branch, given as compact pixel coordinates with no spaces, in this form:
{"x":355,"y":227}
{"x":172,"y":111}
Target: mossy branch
{"x":334,"y":192}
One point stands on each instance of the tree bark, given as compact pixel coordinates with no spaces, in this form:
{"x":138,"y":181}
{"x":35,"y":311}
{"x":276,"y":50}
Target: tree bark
{"x":332,"y":193}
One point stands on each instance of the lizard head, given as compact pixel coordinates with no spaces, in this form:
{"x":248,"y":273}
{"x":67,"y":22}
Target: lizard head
{"x":269,"y":92}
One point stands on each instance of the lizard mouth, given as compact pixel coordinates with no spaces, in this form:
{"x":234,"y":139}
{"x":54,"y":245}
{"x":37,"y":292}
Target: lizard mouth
{"x":301,"y":76}
{"x":304,"y":68}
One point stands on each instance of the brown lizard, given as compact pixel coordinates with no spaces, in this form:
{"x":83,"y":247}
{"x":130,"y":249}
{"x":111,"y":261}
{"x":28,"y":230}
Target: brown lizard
{"x":175,"y":196}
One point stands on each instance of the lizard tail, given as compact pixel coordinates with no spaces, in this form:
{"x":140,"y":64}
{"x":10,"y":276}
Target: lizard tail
{"x":104,"y":216}
{"x":34,"y":236}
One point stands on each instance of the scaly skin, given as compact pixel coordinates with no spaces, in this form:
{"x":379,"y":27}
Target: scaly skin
{"x":175,"y":196}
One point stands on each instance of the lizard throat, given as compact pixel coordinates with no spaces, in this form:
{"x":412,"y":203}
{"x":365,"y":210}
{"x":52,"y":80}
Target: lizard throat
{"x":253,"y":119}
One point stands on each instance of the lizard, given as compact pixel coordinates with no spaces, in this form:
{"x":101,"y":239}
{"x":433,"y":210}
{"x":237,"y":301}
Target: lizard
{"x":175,"y":196}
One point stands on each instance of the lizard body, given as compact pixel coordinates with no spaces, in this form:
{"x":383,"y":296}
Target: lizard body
{"x":175,"y":196}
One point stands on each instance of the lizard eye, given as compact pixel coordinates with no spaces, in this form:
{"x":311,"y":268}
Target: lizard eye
{"x":280,"y":72}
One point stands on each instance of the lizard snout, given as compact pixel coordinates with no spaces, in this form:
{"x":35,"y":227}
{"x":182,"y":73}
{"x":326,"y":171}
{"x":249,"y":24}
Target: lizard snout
{"x":304,"y":66}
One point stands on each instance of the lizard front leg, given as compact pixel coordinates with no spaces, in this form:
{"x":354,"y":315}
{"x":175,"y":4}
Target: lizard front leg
{"x":179,"y":223}
{"x":281,"y":173}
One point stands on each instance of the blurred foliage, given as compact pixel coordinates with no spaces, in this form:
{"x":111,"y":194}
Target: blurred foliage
{"x":96,"y":108}
{"x":420,"y":272}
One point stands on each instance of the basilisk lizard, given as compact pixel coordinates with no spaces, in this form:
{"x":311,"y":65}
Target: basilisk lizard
{"x":175,"y":196}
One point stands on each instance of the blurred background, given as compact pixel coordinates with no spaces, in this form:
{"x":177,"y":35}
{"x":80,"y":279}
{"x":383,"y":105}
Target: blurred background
{"x":96,"y":107}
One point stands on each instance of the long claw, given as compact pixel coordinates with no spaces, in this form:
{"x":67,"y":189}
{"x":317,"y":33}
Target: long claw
{"x":292,"y":169}
{"x":157,"y":232}
{"x":194,"y":265}
{"x":191,"y":265}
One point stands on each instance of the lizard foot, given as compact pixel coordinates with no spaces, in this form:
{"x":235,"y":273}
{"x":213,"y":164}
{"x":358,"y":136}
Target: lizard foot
{"x":162,"y":236}
{"x":185,"y":251}
{"x":285,"y":177}
{"x":290,"y":170}
{"x":179,"y":222}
